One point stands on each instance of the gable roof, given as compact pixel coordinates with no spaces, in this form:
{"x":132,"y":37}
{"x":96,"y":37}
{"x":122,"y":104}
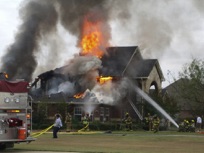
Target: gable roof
{"x":117,"y":58}
{"x":127,"y":61}
{"x":144,"y":67}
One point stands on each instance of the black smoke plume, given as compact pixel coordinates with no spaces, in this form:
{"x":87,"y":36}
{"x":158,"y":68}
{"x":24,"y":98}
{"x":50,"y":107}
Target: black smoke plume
{"x":40,"y":19}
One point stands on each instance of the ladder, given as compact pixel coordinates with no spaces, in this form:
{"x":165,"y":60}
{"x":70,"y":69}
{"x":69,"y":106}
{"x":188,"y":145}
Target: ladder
{"x":135,"y":109}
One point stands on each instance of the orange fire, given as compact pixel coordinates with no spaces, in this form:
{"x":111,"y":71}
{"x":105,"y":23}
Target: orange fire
{"x":79,"y":95}
{"x":92,"y":39}
{"x":103,"y":80}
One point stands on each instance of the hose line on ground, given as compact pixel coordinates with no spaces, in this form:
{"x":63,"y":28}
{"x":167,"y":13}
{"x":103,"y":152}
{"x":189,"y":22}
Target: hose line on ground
{"x":41,"y":132}
{"x":84,"y":127}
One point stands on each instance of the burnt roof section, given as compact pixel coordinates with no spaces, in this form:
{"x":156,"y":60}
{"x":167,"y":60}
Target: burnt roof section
{"x":117,"y":59}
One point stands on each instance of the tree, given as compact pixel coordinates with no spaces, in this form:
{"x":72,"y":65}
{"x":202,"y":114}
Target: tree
{"x":167,"y":103}
{"x":189,"y":88}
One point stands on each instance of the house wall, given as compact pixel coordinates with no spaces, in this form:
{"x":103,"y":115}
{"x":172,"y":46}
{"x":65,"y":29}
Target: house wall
{"x":99,"y":112}
{"x":153,"y":79}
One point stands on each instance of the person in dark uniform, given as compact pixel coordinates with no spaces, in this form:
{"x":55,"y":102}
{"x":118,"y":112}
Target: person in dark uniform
{"x":128,"y":122}
{"x":68,"y":121}
{"x":156,"y":122}
{"x":85,"y":121}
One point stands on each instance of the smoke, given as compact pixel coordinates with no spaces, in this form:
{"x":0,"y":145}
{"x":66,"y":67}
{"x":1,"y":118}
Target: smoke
{"x":40,"y":23}
{"x":83,"y":70}
{"x":80,"y":65}
{"x":110,"y":92}
{"x":39,"y":18}
{"x":67,"y":88}
{"x":161,"y":27}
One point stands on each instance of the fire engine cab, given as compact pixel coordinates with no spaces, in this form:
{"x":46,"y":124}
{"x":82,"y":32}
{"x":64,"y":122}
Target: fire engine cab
{"x":15,"y":113}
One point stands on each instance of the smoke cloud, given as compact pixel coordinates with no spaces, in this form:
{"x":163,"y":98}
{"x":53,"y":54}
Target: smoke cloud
{"x":40,"y":23}
{"x":111,"y":92}
{"x":83,"y":70}
{"x":39,"y":18}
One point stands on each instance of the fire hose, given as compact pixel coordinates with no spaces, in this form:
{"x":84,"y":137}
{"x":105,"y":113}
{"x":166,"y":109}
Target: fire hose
{"x":83,"y":128}
{"x":41,"y":132}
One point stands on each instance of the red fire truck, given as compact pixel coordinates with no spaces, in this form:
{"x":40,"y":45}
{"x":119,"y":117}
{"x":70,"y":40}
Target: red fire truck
{"x":15,"y":113}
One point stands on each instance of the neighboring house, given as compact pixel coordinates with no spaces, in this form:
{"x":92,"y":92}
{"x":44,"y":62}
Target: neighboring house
{"x":174,"y":91}
{"x":119,"y":62}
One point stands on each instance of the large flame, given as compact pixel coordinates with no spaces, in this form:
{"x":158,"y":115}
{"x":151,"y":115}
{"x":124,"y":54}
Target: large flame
{"x":92,"y":42}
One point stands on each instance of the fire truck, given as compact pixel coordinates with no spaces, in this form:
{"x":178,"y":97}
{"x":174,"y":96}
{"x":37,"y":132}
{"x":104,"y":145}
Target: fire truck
{"x":15,"y":113}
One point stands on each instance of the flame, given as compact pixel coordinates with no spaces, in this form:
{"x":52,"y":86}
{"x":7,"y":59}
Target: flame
{"x":6,"y":75}
{"x":92,"y":39}
{"x":79,"y":95}
{"x":103,"y":80}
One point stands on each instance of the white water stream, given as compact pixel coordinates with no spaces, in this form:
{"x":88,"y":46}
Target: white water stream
{"x":154,"y":104}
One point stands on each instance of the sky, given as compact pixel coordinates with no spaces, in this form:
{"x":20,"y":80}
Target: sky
{"x":171,"y":31}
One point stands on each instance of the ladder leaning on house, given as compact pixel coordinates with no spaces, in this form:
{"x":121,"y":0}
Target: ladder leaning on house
{"x":135,"y":109}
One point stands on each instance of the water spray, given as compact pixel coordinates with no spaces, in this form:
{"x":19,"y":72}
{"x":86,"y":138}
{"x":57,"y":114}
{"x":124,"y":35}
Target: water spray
{"x":153,"y":103}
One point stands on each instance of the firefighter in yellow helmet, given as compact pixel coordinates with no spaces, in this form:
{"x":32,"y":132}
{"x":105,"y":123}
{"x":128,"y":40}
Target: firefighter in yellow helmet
{"x":85,"y":121}
{"x":128,"y":122}
{"x":192,"y":126}
{"x":148,"y":121}
{"x":156,"y":123}
{"x":186,"y":125}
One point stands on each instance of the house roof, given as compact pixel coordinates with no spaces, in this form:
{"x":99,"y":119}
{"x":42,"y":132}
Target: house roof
{"x":144,"y":68}
{"x":127,"y":61}
{"x":117,"y":58}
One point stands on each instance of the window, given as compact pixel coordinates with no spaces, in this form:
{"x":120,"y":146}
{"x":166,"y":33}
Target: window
{"x":78,"y":113}
{"x":107,"y":112}
{"x":101,"y":111}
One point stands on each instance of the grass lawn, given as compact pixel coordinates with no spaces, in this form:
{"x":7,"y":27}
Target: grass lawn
{"x":117,"y":142}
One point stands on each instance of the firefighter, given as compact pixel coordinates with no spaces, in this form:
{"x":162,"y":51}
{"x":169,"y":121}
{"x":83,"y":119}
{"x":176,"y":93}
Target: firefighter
{"x":192,"y":126}
{"x":68,"y":122}
{"x":156,"y":122}
{"x":85,"y":121}
{"x":148,"y":121}
{"x":128,"y":122}
{"x":186,"y":125}
{"x":181,"y":127}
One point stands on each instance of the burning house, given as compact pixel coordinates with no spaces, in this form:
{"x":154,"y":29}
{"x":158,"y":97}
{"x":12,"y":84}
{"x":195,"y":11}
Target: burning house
{"x":104,"y":87}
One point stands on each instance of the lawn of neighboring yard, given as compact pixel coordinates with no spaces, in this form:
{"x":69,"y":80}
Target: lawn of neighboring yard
{"x":118,"y":142}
